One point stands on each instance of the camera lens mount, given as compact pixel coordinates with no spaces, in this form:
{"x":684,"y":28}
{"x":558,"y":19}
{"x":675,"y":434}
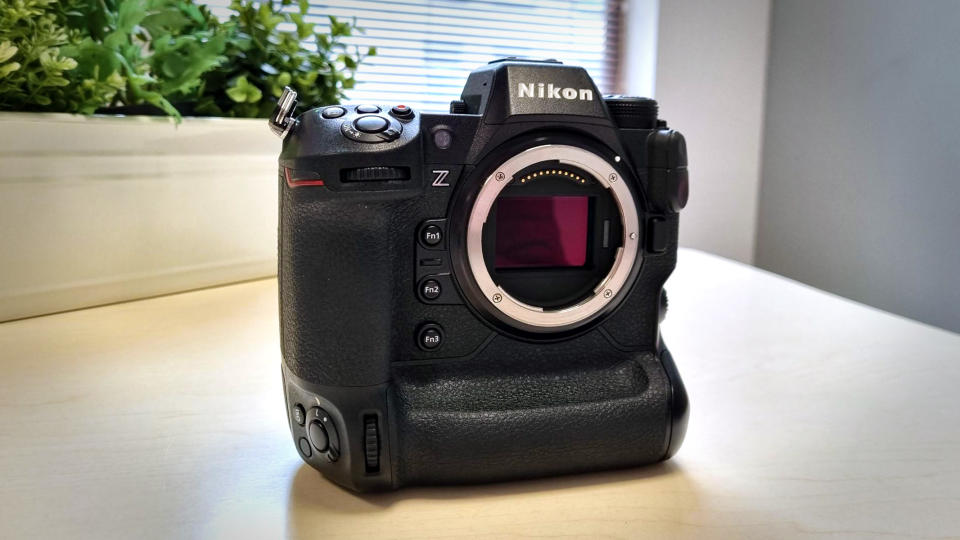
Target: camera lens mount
{"x":603,"y":290}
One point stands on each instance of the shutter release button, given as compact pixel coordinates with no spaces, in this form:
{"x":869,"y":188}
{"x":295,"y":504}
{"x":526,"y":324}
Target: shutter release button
{"x":318,"y":436}
{"x":371,"y":124}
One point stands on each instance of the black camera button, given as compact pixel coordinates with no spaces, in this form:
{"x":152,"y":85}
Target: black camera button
{"x":371,"y":124}
{"x":298,"y":414}
{"x":333,"y":112}
{"x":333,"y":438}
{"x":304,"y":447}
{"x":368,"y":109}
{"x":443,"y":138}
{"x":431,"y":235}
{"x":430,"y":337}
{"x":402,"y":112}
{"x":318,"y":436}
{"x":657,"y":235}
{"x":430,"y":289}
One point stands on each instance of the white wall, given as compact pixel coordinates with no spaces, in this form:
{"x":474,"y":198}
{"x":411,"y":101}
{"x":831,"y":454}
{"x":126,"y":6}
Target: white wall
{"x":638,"y":43}
{"x":96,"y":210}
{"x":862,"y":153}
{"x":710,"y":78}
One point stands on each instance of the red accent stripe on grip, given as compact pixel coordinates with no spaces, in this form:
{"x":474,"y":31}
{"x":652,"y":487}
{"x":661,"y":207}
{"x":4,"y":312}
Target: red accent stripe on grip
{"x":296,"y":183}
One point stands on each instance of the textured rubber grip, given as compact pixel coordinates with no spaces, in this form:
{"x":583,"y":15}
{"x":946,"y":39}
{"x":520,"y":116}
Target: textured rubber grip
{"x":454,"y":426}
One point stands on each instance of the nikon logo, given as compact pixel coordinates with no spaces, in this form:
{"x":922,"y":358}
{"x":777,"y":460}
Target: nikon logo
{"x":551,"y":91}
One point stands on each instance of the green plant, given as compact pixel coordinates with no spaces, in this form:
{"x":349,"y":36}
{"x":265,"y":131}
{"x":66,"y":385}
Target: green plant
{"x":159,"y":47}
{"x":263,"y":58}
{"x":37,"y":68}
{"x":81,"y":55}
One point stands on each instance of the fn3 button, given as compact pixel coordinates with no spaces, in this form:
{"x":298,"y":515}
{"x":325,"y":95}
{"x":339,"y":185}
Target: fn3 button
{"x":430,"y":336}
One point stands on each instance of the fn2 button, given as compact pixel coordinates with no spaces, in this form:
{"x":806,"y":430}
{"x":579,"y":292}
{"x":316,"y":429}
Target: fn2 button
{"x":430,"y":289}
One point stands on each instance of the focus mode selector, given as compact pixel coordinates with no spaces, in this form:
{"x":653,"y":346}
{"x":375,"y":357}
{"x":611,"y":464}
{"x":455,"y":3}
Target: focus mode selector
{"x":371,"y":128}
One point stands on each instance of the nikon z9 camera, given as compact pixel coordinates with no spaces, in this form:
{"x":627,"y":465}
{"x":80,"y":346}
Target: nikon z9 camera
{"x":476,"y":296}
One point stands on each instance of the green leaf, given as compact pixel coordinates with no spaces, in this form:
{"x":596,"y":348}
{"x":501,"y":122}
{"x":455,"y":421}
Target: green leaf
{"x":237,"y":94}
{"x":7,"y":69}
{"x":56,"y":81}
{"x":243,"y":92}
{"x":79,"y":55}
{"x":129,"y":15}
{"x":7,"y":50}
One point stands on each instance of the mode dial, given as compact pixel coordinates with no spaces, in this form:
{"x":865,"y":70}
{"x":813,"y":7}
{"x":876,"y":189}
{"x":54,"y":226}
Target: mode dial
{"x":632,"y":112}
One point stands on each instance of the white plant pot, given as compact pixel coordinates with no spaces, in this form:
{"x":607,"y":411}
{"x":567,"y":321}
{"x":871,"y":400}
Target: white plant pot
{"x":103,"y":209}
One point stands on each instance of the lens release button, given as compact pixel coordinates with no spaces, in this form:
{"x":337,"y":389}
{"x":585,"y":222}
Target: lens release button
{"x":371,"y":124}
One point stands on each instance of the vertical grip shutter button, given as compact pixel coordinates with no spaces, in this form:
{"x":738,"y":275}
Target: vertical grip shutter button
{"x":318,"y":436}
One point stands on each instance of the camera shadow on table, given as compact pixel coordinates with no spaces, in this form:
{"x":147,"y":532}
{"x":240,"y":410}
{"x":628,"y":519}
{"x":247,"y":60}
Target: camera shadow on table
{"x":315,"y":502}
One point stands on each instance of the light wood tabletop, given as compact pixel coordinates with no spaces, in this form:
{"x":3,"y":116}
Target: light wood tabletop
{"x":164,"y":418}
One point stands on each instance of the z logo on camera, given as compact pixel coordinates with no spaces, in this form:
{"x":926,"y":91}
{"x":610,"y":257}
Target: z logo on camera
{"x":440,"y":178}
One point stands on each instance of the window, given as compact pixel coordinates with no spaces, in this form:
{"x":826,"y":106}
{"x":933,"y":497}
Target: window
{"x":426,"y":48}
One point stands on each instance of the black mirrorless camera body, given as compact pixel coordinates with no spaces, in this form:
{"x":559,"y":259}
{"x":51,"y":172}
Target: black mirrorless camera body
{"x":476,"y":296}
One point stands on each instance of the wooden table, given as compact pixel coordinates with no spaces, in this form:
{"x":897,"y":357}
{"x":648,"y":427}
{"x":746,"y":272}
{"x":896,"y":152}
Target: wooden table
{"x":163,"y":418}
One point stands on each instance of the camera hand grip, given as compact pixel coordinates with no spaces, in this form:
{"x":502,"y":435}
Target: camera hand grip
{"x":455,"y":427}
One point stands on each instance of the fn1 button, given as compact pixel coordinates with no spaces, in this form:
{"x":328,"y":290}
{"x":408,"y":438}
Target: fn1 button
{"x":431,"y":235}
{"x":430,"y":336}
{"x":430,"y":289}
